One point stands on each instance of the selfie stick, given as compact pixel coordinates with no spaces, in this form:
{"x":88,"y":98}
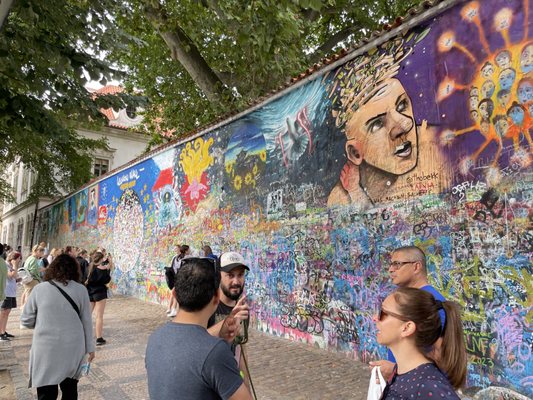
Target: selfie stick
{"x":248,"y":371}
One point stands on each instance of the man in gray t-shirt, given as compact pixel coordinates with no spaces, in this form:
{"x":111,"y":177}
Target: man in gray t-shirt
{"x":183,"y":361}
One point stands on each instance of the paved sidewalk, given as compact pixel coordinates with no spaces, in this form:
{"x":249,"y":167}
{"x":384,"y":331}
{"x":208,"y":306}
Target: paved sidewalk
{"x":280,"y":369}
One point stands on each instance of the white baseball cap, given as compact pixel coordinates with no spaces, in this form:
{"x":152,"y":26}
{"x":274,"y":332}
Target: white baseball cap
{"x":230,"y":260}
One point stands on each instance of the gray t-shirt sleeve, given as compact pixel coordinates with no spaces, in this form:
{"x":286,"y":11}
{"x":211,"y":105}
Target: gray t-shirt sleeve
{"x":221,"y":372}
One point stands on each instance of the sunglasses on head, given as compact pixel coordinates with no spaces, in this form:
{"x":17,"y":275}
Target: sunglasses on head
{"x":213,"y":262}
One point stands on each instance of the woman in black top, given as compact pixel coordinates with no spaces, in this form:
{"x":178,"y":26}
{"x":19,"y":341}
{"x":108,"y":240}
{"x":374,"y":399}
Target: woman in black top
{"x":409,"y":324}
{"x":98,"y":278}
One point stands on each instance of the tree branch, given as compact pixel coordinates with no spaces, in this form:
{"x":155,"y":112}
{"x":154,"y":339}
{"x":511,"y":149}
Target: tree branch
{"x":329,"y":44}
{"x":184,"y":50}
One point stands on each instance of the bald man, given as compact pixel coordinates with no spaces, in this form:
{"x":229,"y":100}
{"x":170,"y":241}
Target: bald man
{"x":408,"y":269}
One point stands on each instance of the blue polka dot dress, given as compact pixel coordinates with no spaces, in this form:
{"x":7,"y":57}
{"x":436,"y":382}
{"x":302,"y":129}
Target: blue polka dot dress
{"x":424,"y":382}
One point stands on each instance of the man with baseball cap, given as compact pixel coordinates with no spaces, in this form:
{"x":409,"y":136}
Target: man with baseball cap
{"x":232,"y":275}
{"x":232,"y":270}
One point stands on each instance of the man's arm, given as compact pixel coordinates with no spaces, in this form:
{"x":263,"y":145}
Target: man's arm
{"x":242,"y":393}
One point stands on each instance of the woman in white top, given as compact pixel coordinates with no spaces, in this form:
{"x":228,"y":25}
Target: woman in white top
{"x":13,"y":263}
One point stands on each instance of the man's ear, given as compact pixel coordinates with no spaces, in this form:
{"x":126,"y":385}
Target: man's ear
{"x":216,"y":297}
{"x":353,"y":151}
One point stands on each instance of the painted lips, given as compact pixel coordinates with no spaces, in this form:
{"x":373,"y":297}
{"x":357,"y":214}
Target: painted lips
{"x":404,"y":150}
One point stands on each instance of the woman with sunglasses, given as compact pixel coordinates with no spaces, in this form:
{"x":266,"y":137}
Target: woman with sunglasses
{"x":409,"y":324}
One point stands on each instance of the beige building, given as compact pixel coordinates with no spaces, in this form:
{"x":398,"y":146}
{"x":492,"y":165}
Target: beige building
{"x":16,"y":218}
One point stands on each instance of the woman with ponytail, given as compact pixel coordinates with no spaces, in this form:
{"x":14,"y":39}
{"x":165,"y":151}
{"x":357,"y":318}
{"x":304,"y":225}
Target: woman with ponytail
{"x":409,"y":324}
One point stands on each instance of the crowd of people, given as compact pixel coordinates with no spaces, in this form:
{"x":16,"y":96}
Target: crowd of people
{"x":421,"y":329}
{"x":62,"y":288}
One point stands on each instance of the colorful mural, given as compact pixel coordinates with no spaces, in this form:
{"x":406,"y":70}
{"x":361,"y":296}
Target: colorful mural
{"x":425,"y":139}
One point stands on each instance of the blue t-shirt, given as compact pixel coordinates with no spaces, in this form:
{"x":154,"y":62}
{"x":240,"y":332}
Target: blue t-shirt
{"x":184,"y":361}
{"x":437,"y":296}
{"x":424,"y":382}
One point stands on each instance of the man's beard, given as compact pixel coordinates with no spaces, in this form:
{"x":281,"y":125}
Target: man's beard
{"x":231,"y":295}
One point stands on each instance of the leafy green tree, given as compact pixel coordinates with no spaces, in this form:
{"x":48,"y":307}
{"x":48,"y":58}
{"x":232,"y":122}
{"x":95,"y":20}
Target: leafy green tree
{"x":48,"y":52}
{"x":197,"y":59}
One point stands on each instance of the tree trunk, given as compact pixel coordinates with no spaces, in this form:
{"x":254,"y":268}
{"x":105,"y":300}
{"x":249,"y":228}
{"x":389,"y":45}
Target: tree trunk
{"x":5,"y":6}
{"x":183,"y":50}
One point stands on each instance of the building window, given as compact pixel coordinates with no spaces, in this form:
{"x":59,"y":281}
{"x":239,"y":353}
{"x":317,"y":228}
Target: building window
{"x":101,"y":166}
{"x":28,"y":233}
{"x":20,"y":229}
{"x":25,"y":181}
{"x":10,"y":235}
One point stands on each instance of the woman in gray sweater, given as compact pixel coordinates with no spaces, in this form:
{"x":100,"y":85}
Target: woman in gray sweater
{"x":62,"y":336}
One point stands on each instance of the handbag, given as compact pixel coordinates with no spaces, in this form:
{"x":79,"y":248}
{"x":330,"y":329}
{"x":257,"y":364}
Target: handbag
{"x":375,"y":389}
{"x":24,"y":275}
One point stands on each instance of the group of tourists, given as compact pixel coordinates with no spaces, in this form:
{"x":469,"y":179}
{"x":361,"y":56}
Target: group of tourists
{"x":61,"y":290}
{"x":422,"y":330}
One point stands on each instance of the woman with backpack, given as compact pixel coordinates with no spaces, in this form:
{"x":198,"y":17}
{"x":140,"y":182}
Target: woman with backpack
{"x":170,"y":274}
{"x":33,"y":268}
{"x":97,"y":279}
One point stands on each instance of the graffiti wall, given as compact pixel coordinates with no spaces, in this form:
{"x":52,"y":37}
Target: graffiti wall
{"x":425,"y":139}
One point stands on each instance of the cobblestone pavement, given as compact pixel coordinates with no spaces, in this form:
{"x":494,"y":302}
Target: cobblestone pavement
{"x":280,"y":369}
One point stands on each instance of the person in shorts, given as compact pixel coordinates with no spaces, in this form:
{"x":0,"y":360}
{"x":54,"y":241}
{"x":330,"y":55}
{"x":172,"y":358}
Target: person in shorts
{"x":13,"y":262}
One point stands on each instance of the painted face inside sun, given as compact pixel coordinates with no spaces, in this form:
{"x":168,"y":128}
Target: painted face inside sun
{"x":525,"y":91}
{"x":382,"y":132}
{"x":526,"y":59}
{"x":503,"y":59}
{"x":486,"y":107}
{"x":474,"y":116}
{"x":484,"y":127}
{"x":506,"y":78}
{"x":516,"y":113}
{"x":501,"y":125}
{"x":487,"y":89}
{"x":487,"y":70}
{"x":503,"y":97}
{"x":474,"y":102}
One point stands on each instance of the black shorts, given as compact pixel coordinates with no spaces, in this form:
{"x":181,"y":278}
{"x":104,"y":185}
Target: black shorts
{"x":98,"y":296}
{"x":8,"y":303}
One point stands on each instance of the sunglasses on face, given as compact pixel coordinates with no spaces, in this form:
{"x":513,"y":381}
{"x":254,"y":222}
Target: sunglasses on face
{"x":382,"y":313}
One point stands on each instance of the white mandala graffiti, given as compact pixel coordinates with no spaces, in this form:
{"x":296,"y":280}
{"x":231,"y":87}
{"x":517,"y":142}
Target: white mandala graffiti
{"x":128,"y":228}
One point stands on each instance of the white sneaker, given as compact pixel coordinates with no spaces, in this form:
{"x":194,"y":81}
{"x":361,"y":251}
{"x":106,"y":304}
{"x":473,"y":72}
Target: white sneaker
{"x":173,"y":313}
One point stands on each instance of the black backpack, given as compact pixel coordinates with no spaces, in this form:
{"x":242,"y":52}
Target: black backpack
{"x":170,"y":275}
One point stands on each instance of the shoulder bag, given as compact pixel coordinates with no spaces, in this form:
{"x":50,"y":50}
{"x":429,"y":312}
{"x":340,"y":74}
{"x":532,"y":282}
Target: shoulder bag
{"x":74,"y":306}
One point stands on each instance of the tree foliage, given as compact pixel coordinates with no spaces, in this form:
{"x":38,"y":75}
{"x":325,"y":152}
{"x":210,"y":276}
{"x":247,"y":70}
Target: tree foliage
{"x":249,"y":47}
{"x":48,"y":52}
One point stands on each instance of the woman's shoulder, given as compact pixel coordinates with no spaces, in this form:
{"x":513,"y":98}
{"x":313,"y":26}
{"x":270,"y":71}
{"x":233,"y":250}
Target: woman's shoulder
{"x":426,"y":381}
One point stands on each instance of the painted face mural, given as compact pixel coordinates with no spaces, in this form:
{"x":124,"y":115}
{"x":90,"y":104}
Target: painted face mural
{"x":383,"y":131}
{"x":526,"y":59}
{"x":423,"y":140}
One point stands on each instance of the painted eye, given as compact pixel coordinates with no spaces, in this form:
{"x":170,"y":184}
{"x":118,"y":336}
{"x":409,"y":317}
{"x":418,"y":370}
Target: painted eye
{"x":376,"y":125}
{"x":402,"y":106}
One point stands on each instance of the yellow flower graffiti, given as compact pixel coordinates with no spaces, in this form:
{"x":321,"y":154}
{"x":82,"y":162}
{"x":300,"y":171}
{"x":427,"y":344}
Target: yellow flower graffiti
{"x":195,"y":160}
{"x":248,"y":178}
{"x":263,"y":155}
{"x":237,"y":182}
